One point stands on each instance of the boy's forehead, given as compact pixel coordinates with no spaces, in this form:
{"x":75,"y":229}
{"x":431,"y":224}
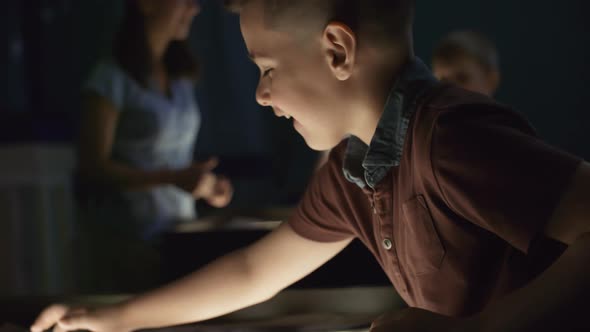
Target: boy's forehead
{"x":253,"y":11}
{"x":252,"y":30}
{"x":257,"y":39}
{"x":262,"y":40}
{"x":255,"y":55}
{"x":252,"y":19}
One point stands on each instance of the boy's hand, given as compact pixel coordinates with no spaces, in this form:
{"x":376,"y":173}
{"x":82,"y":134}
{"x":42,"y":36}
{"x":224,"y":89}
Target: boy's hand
{"x":63,"y":318}
{"x":416,"y":320}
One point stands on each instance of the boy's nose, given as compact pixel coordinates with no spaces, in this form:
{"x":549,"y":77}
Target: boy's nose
{"x":263,"y":95}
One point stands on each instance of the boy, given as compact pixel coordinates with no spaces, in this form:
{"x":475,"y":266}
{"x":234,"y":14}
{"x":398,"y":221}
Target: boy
{"x":450,"y":191}
{"x":469,"y":60}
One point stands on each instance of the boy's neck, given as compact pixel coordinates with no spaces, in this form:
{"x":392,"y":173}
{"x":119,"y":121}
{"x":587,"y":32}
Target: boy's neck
{"x":376,"y":90}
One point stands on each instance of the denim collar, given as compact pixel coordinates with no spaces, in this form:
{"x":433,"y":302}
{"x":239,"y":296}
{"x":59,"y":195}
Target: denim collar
{"x":368,"y":165}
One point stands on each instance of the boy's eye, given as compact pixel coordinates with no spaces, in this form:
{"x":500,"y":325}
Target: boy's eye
{"x":267,"y":72}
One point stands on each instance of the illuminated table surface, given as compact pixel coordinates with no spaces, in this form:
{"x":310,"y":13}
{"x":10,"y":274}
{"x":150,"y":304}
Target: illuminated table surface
{"x":345,"y":309}
{"x":314,"y":310}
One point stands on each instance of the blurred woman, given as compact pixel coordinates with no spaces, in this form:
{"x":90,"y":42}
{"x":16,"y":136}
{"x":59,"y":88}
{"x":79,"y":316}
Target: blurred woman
{"x":138,"y":133}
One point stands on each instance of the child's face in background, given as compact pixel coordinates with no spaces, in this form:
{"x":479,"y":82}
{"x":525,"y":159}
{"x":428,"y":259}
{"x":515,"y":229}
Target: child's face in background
{"x":468,"y":74}
{"x":296,"y":81}
{"x":171,"y":17}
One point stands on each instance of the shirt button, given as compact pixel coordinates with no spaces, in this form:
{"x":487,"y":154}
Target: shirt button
{"x":387,"y":244}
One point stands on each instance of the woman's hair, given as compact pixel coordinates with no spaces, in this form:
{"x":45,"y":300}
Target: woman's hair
{"x":131,"y":50}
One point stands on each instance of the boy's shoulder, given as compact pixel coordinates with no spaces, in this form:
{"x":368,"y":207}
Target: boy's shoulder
{"x":447,"y":96}
{"x":449,"y":105}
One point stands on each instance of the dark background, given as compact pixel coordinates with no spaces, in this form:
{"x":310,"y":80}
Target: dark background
{"x":544,"y":52}
{"x":48,"y":47}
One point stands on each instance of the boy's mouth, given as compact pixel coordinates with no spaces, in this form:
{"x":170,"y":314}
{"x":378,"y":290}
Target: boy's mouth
{"x":281,"y":114}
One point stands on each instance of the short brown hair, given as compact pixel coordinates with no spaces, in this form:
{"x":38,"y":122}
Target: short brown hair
{"x":469,"y":44}
{"x":385,"y":21}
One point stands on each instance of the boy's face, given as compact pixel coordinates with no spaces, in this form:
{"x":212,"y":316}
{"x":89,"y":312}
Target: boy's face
{"x":297,"y":81}
{"x":468,"y":74}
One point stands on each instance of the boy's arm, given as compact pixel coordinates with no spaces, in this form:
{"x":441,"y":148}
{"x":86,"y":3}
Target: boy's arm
{"x":558,"y":298}
{"x":238,"y":280}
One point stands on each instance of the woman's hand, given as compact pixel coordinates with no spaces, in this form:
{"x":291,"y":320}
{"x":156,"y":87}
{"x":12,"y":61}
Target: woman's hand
{"x":221,"y":192}
{"x":197,"y":179}
{"x":202,"y":183}
{"x":64,"y":318}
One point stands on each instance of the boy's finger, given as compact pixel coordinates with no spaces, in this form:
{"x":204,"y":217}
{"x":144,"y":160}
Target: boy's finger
{"x":58,"y":329}
{"x":76,"y":312}
{"x":75,"y":322}
{"x":49,"y":317}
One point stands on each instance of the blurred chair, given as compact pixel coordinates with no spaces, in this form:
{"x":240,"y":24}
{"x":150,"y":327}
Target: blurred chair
{"x":36,"y":219}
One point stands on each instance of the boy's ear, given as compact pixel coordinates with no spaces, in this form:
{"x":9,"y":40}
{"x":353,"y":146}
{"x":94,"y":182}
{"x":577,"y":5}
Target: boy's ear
{"x":340,"y":43}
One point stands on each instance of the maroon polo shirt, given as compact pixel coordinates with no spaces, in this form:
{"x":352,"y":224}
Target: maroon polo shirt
{"x":455,"y":225}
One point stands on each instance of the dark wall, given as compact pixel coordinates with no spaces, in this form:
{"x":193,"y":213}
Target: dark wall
{"x":12,"y":86}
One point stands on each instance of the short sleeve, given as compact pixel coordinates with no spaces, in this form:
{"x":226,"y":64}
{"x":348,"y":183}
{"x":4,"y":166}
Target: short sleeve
{"x":109,"y":81}
{"x":492,"y":170}
{"x":321,"y":215}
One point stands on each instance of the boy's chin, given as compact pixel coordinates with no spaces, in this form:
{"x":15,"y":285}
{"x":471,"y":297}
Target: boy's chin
{"x":316,"y":140}
{"x":320,"y":144}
